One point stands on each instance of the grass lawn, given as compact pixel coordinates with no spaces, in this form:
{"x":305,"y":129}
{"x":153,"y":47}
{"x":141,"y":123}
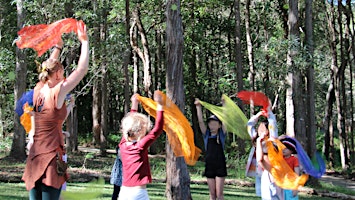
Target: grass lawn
{"x":17,"y":191}
{"x":80,"y":188}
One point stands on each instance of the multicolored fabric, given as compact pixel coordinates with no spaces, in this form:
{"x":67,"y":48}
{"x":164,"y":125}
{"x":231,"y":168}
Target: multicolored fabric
{"x":23,"y":108}
{"x":314,"y":167}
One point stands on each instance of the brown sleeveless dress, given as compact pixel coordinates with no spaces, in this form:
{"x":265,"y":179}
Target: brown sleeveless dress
{"x":48,"y":139}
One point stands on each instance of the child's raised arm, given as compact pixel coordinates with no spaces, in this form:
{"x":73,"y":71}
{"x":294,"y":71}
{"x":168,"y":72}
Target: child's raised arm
{"x":201,"y":123}
{"x":159,"y":99}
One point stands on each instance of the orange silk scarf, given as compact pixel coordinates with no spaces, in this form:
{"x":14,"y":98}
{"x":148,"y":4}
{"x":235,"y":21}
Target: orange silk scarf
{"x":282,"y":173}
{"x":41,"y":37}
{"x":177,"y":127}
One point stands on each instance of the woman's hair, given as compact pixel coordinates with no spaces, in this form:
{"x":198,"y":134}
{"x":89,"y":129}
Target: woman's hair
{"x":263,"y":121}
{"x":135,"y":126}
{"x":48,"y":67}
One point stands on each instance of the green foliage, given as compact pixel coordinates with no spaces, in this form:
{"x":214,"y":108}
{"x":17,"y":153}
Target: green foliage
{"x":7,"y":69}
{"x":174,"y":7}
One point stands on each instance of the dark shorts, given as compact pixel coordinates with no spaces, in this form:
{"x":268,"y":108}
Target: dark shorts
{"x":221,"y":172}
{"x":215,"y":168}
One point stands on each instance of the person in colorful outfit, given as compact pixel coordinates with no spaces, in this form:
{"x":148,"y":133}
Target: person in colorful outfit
{"x":137,"y":138}
{"x":41,"y":176}
{"x":214,"y":136}
{"x":292,"y":161}
{"x":266,"y":130}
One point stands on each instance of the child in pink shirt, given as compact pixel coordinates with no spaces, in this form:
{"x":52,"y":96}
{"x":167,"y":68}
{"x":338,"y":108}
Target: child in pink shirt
{"x":137,"y":137}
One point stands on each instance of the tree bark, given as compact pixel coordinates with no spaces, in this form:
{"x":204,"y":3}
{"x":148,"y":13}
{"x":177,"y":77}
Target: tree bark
{"x":239,"y":67}
{"x":292,"y":76}
{"x":18,"y":143}
{"x":311,"y":122}
{"x":104,"y":90}
{"x":329,"y":149}
{"x":351,"y":110}
{"x":127,"y":58}
{"x":340,"y":97}
{"x":177,"y":176}
{"x":144,"y":55}
{"x":249,"y":47}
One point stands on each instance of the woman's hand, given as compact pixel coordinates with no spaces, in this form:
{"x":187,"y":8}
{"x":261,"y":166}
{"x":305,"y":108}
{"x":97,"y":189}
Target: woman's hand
{"x":82,"y":34}
{"x":60,"y":44}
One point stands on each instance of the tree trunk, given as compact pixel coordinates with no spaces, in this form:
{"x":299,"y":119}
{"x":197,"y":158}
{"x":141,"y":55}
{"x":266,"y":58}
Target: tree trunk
{"x":127,"y":58}
{"x":72,"y":127}
{"x":250,"y":47}
{"x":239,"y":67}
{"x":329,"y":150}
{"x":96,"y":90}
{"x":293,"y":75}
{"x":144,"y":55}
{"x":18,"y":142}
{"x":351,"y":110}
{"x":340,"y":97}
{"x":328,"y":147}
{"x":104,"y":90}
{"x":347,"y":62}
{"x":177,"y":176}
{"x":96,"y":111}
{"x":311,"y":132}
{"x":311,"y":121}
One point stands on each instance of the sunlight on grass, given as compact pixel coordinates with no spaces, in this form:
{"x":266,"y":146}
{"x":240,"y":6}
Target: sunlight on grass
{"x":17,"y":191}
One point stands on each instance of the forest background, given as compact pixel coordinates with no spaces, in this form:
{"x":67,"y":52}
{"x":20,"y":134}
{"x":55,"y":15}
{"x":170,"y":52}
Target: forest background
{"x":299,"y":53}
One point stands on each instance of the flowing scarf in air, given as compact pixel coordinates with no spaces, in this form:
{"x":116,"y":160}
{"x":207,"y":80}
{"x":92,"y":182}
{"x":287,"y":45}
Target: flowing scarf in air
{"x":42,"y":37}
{"x":177,"y":127}
{"x":255,"y":98}
{"x":230,"y":115}
{"x":314,"y":167}
{"x":282,"y":173}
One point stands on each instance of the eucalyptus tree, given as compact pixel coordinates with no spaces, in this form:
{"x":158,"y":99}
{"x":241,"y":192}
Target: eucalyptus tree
{"x":310,"y":99}
{"x":177,"y":175}
{"x":339,"y":45}
{"x":329,"y":131}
